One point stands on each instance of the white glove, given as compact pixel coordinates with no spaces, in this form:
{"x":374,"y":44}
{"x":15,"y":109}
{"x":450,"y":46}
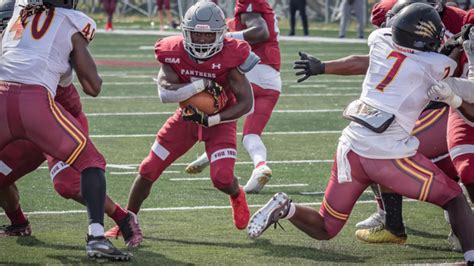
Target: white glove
{"x":442,"y":92}
{"x":468,"y":46}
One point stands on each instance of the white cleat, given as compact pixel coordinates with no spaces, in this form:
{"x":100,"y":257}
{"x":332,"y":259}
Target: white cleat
{"x":275,"y":209}
{"x":374,"y":220}
{"x":454,"y":242}
{"x":260,"y":177}
{"x":198,"y":165}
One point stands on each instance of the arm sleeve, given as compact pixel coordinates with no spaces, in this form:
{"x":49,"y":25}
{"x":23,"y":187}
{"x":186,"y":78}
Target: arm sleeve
{"x":181,"y":94}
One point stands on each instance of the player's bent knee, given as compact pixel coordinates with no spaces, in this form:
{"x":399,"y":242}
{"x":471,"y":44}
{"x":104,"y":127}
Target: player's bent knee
{"x":222,"y":177}
{"x":65,"y":190}
{"x":464,"y":168}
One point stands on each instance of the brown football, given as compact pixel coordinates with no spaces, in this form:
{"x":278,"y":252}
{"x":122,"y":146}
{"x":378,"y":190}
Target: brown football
{"x":203,"y":101}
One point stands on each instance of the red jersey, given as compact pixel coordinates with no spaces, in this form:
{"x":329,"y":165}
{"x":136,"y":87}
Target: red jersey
{"x":452,"y":16}
{"x":171,"y":51}
{"x":269,"y":50}
{"x":69,"y":98}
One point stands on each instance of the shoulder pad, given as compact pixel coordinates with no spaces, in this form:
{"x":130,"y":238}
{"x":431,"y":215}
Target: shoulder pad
{"x":83,"y":23}
{"x":251,"y":61}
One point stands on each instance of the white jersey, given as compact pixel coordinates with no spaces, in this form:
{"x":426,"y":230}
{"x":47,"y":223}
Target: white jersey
{"x":396,"y":82}
{"x":38,"y":53}
{"x":265,"y":76}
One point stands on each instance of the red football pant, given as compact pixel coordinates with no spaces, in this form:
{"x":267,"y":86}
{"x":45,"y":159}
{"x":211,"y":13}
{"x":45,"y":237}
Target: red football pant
{"x":29,"y":112}
{"x":415,"y":177}
{"x":177,"y":136}
{"x":461,"y":146}
{"x":161,"y":3}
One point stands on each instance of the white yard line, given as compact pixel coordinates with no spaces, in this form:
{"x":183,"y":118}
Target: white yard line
{"x":169,"y":113}
{"x":189,"y":208}
{"x":135,"y":172}
{"x":240,"y":134}
{"x":133,"y":166}
{"x":306,"y":39}
{"x":283,"y":95}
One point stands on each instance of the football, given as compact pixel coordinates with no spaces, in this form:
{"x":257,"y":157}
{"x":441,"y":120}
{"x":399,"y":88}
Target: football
{"x":203,"y":101}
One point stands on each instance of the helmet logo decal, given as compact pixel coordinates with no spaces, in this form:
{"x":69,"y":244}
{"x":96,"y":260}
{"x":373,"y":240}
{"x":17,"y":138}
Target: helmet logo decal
{"x":426,"y":29}
{"x":202,"y":27}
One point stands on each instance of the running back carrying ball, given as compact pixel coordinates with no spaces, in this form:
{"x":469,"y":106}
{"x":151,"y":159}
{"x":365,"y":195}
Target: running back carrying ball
{"x":203,"y":101}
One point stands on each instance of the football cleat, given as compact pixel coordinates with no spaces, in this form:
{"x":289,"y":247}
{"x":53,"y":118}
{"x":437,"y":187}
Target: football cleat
{"x":275,"y":209}
{"x":454,"y":243}
{"x":108,"y":26}
{"x":101,"y":247}
{"x":130,"y":229}
{"x":198,"y":165}
{"x":260,"y":176}
{"x":113,"y":232}
{"x":16,"y":229}
{"x":375,"y":220}
{"x":240,"y":210}
{"x":379,"y":235}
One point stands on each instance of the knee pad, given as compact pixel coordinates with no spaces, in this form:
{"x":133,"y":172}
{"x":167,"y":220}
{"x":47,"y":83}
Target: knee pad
{"x":222,"y":175}
{"x":66,"y":181}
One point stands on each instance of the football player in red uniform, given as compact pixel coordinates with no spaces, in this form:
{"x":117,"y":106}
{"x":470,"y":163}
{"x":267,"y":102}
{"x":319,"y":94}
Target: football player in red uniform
{"x":254,"y":21}
{"x":430,"y":128}
{"x":202,"y":59}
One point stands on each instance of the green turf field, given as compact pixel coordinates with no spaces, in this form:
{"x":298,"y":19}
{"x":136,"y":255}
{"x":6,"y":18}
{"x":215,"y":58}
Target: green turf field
{"x":189,"y":222}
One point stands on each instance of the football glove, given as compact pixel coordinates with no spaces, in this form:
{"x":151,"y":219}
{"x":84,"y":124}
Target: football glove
{"x":450,"y":44}
{"x":442,"y":92}
{"x":465,"y":31}
{"x":214,"y":88}
{"x":191,"y":113}
{"x":468,"y":45}
{"x":310,"y":66}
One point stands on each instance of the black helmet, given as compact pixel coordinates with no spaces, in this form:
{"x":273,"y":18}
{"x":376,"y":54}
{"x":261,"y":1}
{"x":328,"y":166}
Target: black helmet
{"x":6,"y":12}
{"x":399,"y":5}
{"x":418,"y":26}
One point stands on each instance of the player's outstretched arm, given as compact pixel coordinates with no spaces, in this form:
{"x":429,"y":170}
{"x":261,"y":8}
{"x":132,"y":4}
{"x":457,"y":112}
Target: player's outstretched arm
{"x":84,"y":66}
{"x":309,"y":65}
{"x":256,"y":31}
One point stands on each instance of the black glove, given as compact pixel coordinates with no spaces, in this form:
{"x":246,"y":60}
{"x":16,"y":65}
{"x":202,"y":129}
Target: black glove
{"x":214,"y":89}
{"x":451,"y":44}
{"x":465,"y":32}
{"x":310,"y":66}
{"x":191,"y":113}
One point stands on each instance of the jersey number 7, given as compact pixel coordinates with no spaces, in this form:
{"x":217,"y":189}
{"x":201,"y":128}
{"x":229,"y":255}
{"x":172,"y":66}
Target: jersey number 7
{"x":399,"y":58}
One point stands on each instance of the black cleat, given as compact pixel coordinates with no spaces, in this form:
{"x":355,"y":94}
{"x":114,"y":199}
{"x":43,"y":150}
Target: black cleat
{"x":101,"y":247}
{"x":16,"y":229}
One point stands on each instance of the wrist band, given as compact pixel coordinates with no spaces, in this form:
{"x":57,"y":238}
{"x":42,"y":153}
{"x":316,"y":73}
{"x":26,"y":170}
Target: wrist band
{"x":214,"y":120}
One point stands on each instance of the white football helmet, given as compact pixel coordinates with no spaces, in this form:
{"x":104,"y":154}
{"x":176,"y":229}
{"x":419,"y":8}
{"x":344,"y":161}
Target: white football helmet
{"x":204,"y":16}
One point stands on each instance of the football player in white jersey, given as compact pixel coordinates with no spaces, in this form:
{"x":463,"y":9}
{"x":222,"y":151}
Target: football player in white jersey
{"x":37,"y":44}
{"x":377,"y":146}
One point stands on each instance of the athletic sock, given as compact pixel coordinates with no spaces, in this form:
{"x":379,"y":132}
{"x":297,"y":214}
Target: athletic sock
{"x":17,"y":216}
{"x":255,"y":147}
{"x":96,"y":229}
{"x":380,"y":207}
{"x":93,"y":191}
{"x":469,"y":255}
{"x":291,"y":211}
{"x":119,"y":214}
{"x":393,"y":213}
